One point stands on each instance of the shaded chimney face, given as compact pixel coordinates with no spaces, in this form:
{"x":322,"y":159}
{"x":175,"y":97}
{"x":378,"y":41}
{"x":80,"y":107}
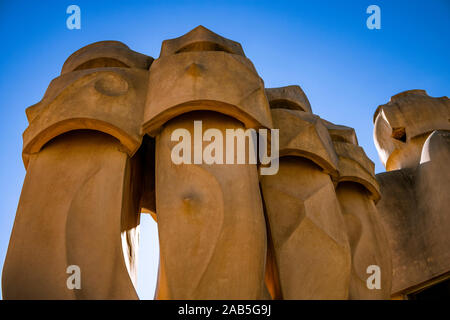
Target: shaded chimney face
{"x":354,"y":165}
{"x":404,"y":123}
{"x":304,"y":135}
{"x":289,"y":97}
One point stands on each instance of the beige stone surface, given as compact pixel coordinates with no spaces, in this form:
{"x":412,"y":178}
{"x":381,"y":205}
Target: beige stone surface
{"x":309,"y":253}
{"x":210,"y":217}
{"x":289,"y":97}
{"x":398,"y":211}
{"x":413,"y":206}
{"x":414,"y":190}
{"x":357,"y":192}
{"x":403,"y":124}
{"x":210,"y":220}
{"x":341,"y":133}
{"x":355,"y":166}
{"x":204,"y":71}
{"x":432,"y":186}
{"x":81,"y":181}
{"x":200,"y":39}
{"x":79,"y":206}
{"x":205,"y":80}
{"x":110,"y":100}
{"x":311,"y":248}
{"x":368,"y":241}
{"x":98,"y":153}
{"x":106,"y":54}
{"x":102,"y":87}
{"x":303,"y":134}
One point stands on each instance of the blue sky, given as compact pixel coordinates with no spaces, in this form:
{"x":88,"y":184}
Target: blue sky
{"x":345,"y":69}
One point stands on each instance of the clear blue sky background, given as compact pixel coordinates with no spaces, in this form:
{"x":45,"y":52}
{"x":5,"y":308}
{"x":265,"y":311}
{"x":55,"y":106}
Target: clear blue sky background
{"x":345,"y":69}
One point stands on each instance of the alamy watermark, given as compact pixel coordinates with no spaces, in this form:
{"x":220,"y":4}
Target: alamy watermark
{"x":74,"y":280}
{"x":374,"y":20}
{"x":235,"y":139}
{"x":74,"y":20}
{"x":374,"y":281}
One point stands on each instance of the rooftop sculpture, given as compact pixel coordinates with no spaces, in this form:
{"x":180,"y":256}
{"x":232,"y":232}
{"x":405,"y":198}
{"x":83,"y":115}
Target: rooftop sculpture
{"x":99,"y":152}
